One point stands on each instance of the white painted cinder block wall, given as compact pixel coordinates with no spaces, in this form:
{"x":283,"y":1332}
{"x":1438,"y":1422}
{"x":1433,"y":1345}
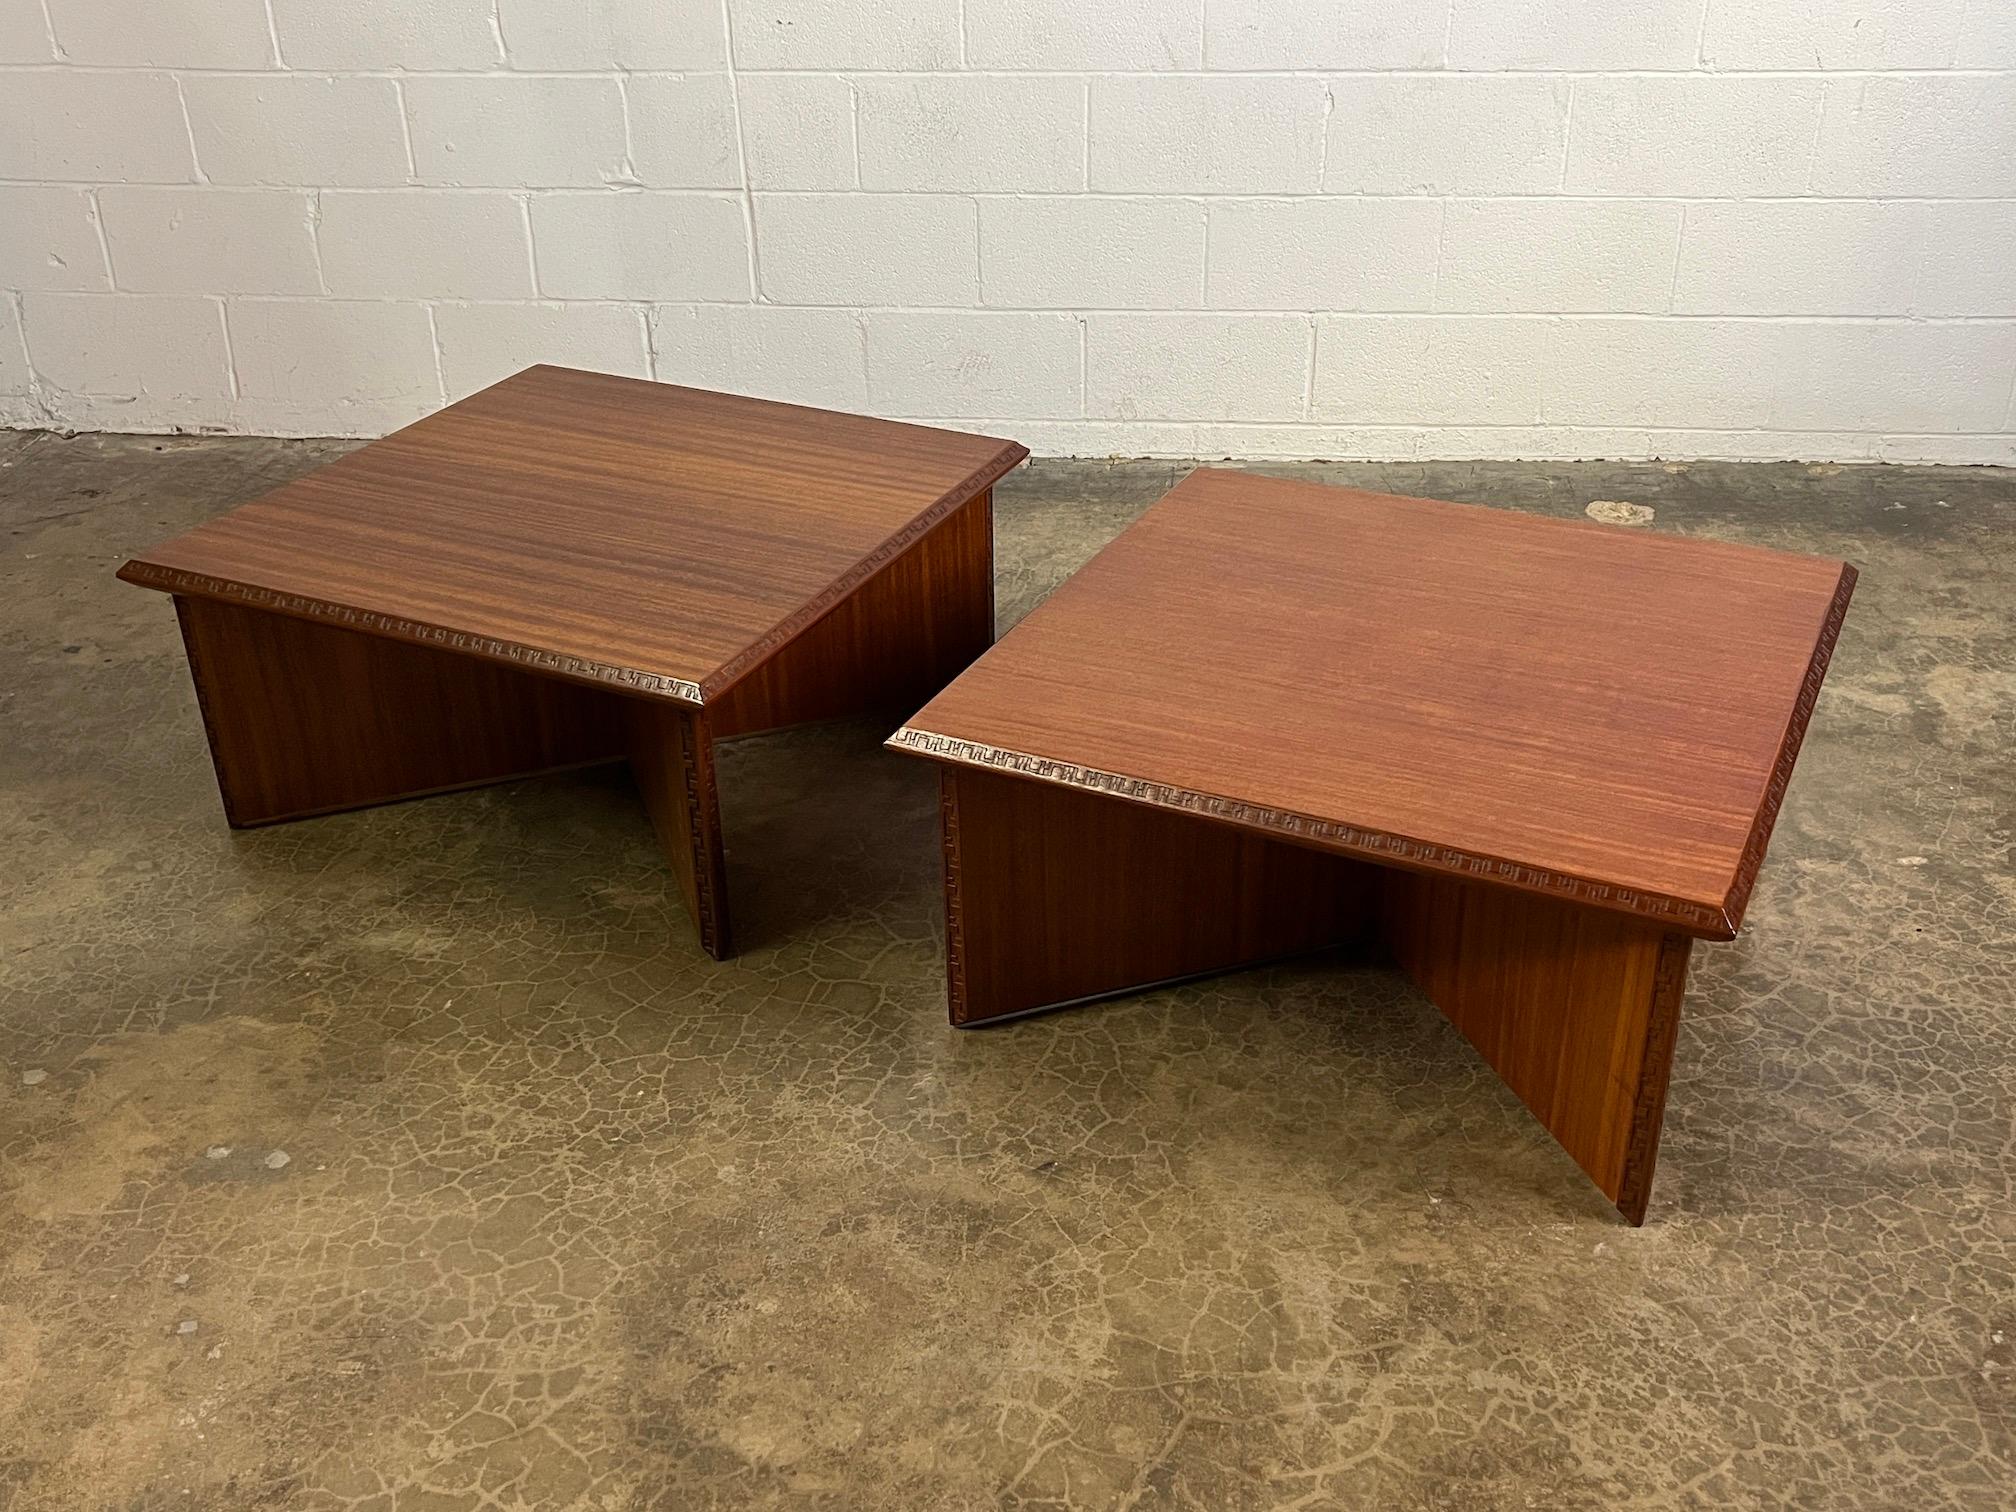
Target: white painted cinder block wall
{"x":1270,"y":228}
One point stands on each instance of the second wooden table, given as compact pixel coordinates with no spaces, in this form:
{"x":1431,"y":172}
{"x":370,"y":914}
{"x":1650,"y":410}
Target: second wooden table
{"x":1538,"y":757}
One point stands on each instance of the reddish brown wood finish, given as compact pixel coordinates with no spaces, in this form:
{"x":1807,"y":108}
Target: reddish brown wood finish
{"x":672,"y":759}
{"x":1575,"y":1008}
{"x":568,"y":569}
{"x":307,"y":719}
{"x":898,"y":638}
{"x":1565,"y":708}
{"x":1564,"y":745}
{"x":1054,"y":896}
{"x":660,"y":540}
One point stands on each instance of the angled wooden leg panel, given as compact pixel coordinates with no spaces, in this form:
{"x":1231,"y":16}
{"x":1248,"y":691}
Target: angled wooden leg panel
{"x":310,"y":719}
{"x":672,"y":758}
{"x":1576,"y":1008}
{"x":1054,"y":896}
{"x":889,"y":645}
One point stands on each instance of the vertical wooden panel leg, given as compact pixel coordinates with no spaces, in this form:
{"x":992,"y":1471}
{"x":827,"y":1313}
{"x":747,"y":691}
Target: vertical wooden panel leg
{"x":307,"y":719}
{"x":889,"y":645}
{"x":1576,"y":1008}
{"x":672,"y":756}
{"x":1054,"y":896}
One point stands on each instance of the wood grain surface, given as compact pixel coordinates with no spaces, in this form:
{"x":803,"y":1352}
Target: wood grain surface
{"x":661,"y":540}
{"x":1575,"y":1008}
{"x":1567,"y":708}
{"x":1055,"y":896}
{"x":309,"y":719}
{"x":894,"y":641}
{"x":672,"y":762}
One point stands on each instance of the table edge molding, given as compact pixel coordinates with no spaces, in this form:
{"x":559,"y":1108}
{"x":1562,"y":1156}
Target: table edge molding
{"x":1789,"y":743}
{"x":370,"y":622}
{"x":1328,"y":834}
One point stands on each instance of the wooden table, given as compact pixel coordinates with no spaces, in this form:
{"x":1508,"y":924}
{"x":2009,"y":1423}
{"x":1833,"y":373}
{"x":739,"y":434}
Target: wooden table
{"x":1538,"y":758}
{"x":567,"y":569}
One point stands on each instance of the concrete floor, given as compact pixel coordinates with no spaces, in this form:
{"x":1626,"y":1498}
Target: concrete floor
{"x":415,"y":1158}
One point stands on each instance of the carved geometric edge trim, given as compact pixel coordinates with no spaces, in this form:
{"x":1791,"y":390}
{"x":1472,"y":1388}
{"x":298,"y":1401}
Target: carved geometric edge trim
{"x":1328,"y":833}
{"x":955,"y":934}
{"x":369,"y":622}
{"x":1788,"y":750}
{"x":759,"y":651}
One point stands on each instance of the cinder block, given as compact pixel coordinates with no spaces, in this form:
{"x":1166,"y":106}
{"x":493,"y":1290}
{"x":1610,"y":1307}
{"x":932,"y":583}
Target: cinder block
{"x":1091,"y":252}
{"x":127,"y":346}
{"x":1355,"y":34}
{"x":1965,"y":269}
{"x":1120,"y":35}
{"x":682,"y":131}
{"x":1539,"y":256}
{"x":421,"y":244}
{"x":1698,"y":374}
{"x":640,"y":246}
{"x":870,"y":249}
{"x":14,"y":378}
{"x":24,"y":38}
{"x":1464,"y":134}
{"x":627,"y":34}
{"x":1196,"y":367}
{"x":1918,"y":136}
{"x":1323,"y":254}
{"x":949,"y":364}
{"x":517,"y":131}
{"x":1692,"y":135}
{"x":49,"y":240}
{"x":1580,"y":35}
{"x":797,"y":356}
{"x":1411,"y":369}
{"x":383,"y":34}
{"x":210,"y":241}
{"x":1873,"y":34}
{"x":1987,"y":37}
{"x":325,"y":352}
{"x":1891,"y":376}
{"x":1799,"y":257}
{"x":972,"y":131}
{"x":1194,"y":135}
{"x":188,"y":34}
{"x":115,"y":127}
{"x":798,"y":131}
{"x":296,"y":129}
{"x":1233,"y":442}
{"x":482,"y":344}
{"x":817,"y":34}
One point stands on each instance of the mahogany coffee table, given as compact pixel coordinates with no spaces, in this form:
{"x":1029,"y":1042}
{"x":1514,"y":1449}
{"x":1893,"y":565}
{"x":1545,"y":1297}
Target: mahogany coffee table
{"x":1539,"y":758}
{"x":567,"y":569}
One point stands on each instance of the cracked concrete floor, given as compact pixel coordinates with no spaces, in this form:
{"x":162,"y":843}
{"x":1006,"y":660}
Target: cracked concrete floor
{"x":570,"y":1217}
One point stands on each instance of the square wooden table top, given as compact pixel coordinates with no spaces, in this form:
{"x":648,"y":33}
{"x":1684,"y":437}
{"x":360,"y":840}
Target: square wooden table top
{"x":1604,"y":714}
{"x":664,"y":540}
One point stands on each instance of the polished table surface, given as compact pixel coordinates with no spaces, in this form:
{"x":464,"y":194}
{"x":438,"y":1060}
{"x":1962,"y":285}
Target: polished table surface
{"x":1599,"y":713}
{"x":658,"y":539}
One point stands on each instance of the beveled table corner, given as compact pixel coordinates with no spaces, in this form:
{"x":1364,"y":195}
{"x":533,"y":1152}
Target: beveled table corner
{"x":1534,"y":759}
{"x":570,"y":568}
